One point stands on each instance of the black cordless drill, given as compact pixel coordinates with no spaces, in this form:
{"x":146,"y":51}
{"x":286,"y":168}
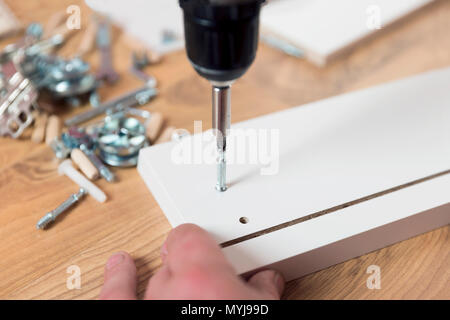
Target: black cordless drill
{"x":221,"y":40}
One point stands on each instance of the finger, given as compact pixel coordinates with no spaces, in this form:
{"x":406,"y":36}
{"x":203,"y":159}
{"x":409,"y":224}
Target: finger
{"x":189,"y":246}
{"x":158,"y":284}
{"x":269,"y":283}
{"x":120,"y":278}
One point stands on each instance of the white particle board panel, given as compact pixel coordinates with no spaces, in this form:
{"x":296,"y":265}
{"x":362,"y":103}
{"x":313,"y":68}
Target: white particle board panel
{"x":146,"y":20}
{"x":383,"y":140}
{"x":324,"y":28}
{"x":321,"y":242}
{"x":321,"y":28}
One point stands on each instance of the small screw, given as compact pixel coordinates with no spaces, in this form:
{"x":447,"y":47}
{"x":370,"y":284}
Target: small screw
{"x":60,"y":150}
{"x":221,"y":173}
{"x":52,"y":215}
{"x":139,"y":62}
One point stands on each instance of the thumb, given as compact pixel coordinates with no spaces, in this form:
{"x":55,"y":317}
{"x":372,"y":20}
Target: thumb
{"x":268,"y":283}
{"x":120,"y":278}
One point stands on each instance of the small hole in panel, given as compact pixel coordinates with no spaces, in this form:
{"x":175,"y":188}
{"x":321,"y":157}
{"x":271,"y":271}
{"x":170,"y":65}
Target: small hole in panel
{"x":243,"y":220}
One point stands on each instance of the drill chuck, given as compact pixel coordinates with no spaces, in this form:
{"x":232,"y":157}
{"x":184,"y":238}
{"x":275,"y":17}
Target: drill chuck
{"x":221,"y":36}
{"x":221,"y":41}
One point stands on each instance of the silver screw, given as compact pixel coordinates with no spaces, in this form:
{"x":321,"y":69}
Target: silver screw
{"x":60,"y":150}
{"x":221,"y":172}
{"x":221,"y":125}
{"x":52,"y":215}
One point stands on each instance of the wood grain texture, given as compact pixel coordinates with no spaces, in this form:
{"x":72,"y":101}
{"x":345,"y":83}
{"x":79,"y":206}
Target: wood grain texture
{"x":34,"y":263}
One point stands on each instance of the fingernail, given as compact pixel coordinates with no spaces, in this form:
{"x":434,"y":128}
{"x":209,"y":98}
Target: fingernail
{"x":114,"y":260}
{"x":279,"y":282}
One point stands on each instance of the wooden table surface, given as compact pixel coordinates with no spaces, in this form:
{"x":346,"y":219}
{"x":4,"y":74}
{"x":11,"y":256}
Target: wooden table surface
{"x":33,"y":264}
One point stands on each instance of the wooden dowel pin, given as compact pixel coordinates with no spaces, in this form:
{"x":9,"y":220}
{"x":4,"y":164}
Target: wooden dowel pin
{"x":88,"y":40}
{"x":85,"y":165}
{"x":38,"y":134}
{"x":53,"y":129}
{"x":154,"y":126}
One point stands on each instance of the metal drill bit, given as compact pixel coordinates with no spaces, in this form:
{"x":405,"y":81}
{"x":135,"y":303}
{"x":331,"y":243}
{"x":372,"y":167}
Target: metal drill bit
{"x":52,"y":215}
{"x":221,"y":124}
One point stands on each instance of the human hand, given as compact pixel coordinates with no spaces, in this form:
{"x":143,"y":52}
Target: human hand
{"x":194,"y":267}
